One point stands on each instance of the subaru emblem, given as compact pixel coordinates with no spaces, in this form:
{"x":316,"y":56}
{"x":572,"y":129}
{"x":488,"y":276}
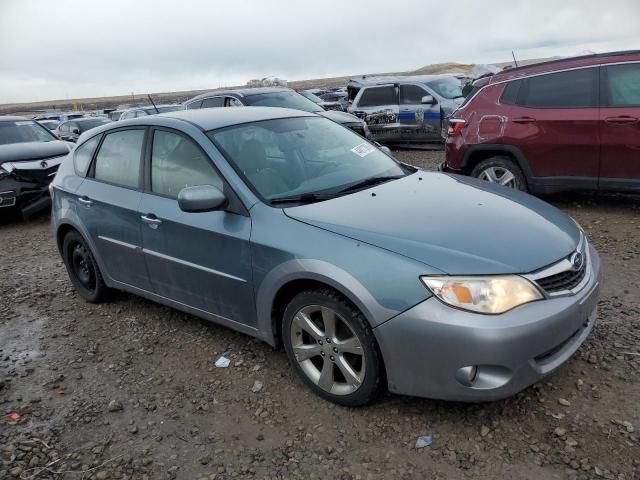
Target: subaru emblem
{"x":577,"y":260}
{"x":44,"y":164}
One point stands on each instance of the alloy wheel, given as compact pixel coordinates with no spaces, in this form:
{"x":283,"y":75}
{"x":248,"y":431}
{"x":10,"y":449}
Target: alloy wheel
{"x":327,"y":349}
{"x":499,"y":175}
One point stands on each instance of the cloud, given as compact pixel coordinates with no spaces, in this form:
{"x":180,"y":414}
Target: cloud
{"x":80,"y":48}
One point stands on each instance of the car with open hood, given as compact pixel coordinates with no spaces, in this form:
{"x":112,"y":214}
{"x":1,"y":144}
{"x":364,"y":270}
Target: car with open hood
{"x":29,"y":158}
{"x":372,"y":274}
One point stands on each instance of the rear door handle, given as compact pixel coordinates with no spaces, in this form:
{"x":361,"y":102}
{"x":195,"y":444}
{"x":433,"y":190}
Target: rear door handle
{"x":523,"y":120}
{"x":621,"y":120}
{"x":151,"y":220}
{"x":86,"y":201}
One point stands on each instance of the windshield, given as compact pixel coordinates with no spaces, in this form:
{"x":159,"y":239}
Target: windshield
{"x":448,"y":87}
{"x":296,"y":156}
{"x":93,"y":123}
{"x":50,"y":124}
{"x":22,"y":131}
{"x":312,"y":96}
{"x":285,"y":99}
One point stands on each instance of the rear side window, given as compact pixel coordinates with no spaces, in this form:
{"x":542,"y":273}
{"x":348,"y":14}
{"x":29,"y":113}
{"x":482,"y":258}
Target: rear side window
{"x":118,"y":160}
{"x":213,"y":102}
{"x":411,"y":94}
{"x":378,"y":96}
{"x":572,"y":89}
{"x":622,"y":86}
{"x":82,"y":155}
{"x":510,"y":93}
{"x":176,"y":163}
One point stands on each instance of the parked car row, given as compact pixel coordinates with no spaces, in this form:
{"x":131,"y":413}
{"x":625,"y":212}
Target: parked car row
{"x":274,"y":97}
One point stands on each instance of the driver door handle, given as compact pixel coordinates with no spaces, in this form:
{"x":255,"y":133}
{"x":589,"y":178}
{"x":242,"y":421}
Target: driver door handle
{"x":151,"y":220}
{"x":86,"y":201}
{"x":524,"y":120}
{"x":621,"y":120}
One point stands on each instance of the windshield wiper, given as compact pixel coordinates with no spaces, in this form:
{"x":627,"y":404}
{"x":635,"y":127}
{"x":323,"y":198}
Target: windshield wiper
{"x":304,"y":198}
{"x":368,"y":182}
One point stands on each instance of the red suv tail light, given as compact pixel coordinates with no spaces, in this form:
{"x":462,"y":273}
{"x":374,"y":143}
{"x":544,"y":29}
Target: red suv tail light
{"x":455,"y":126}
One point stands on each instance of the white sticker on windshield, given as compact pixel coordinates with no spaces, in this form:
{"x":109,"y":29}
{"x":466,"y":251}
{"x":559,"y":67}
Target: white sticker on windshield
{"x":363,"y":149}
{"x":24,"y":123}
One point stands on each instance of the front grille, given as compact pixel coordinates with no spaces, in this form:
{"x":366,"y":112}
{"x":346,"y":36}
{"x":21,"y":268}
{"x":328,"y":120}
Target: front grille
{"x":567,"y":280}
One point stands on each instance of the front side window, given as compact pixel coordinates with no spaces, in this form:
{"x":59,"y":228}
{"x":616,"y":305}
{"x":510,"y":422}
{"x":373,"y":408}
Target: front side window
{"x":571,"y":89}
{"x":22,"y":131}
{"x":176,"y":163}
{"x":82,"y":155}
{"x":623,"y":85}
{"x":118,"y":160}
{"x":378,"y":96}
{"x":213,"y":102}
{"x":411,"y":94}
{"x":194,"y":105}
{"x":297,"y":156}
{"x":232,"y":102}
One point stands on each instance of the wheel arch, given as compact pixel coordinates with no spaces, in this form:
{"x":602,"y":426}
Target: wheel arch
{"x":65,"y":227}
{"x":478,"y":153}
{"x":295,"y":276}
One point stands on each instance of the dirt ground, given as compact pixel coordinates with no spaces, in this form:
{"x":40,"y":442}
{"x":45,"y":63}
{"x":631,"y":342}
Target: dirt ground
{"x":129,"y":389}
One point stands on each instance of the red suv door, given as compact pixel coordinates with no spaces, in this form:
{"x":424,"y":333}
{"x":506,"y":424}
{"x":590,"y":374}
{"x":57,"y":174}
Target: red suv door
{"x":620,"y":126}
{"x":553,"y":119}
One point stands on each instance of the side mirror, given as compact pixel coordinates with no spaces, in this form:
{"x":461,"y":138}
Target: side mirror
{"x":428,"y":99}
{"x":201,"y":198}
{"x":386,"y":150}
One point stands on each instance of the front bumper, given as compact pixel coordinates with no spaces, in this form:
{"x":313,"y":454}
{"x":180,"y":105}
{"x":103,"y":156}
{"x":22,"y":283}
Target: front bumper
{"x":427,"y":348}
{"x":443,"y":167}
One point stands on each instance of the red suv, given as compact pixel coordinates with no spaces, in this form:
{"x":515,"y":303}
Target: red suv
{"x":566,"y":124}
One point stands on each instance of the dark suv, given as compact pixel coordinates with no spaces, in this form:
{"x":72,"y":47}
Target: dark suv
{"x":567,"y":124}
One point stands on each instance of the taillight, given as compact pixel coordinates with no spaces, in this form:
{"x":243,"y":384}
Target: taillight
{"x":455,"y":126}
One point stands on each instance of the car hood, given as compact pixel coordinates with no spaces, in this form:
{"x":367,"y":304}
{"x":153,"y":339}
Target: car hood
{"x":457,"y":225}
{"x":16,"y":152}
{"x":340,"y":117}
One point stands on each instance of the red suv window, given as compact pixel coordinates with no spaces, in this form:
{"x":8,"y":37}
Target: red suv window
{"x":570,"y":89}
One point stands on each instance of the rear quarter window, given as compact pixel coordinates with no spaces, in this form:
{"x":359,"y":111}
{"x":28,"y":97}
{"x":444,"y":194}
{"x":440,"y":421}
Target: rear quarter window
{"x":510,"y":93}
{"x":83,"y":154}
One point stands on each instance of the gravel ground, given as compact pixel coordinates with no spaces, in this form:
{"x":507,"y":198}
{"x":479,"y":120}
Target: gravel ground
{"x":129,"y":389}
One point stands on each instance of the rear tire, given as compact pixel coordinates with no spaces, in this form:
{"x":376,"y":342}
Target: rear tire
{"x":83,"y":269}
{"x":331,"y":346}
{"x":501,"y":170}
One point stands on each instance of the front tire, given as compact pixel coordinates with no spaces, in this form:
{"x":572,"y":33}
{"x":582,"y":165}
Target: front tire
{"x":501,"y":170}
{"x":331,"y":346}
{"x":83,"y":269}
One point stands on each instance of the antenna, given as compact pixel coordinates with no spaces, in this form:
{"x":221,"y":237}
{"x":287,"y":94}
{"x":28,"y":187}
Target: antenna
{"x":514,"y":59}
{"x":154,"y":105}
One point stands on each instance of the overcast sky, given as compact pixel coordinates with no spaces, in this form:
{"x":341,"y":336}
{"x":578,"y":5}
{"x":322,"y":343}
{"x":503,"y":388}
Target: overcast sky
{"x":86,"y":48}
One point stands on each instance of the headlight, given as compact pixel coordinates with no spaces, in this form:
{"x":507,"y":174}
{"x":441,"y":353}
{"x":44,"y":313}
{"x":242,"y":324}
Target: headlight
{"x":491,"y":295}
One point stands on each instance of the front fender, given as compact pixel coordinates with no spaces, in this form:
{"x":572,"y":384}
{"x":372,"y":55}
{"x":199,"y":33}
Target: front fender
{"x":320,"y":271}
